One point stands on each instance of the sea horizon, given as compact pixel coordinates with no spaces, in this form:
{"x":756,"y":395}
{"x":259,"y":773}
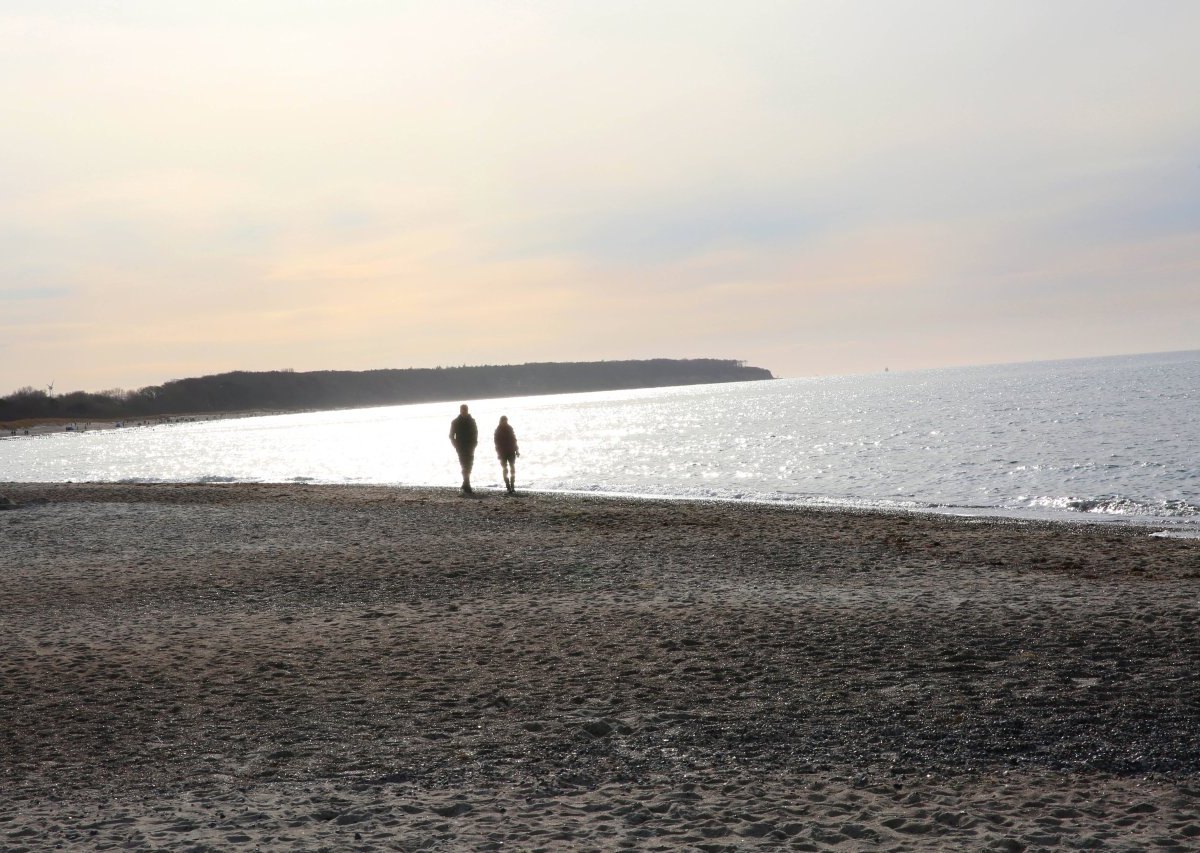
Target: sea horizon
{"x":1096,"y":439}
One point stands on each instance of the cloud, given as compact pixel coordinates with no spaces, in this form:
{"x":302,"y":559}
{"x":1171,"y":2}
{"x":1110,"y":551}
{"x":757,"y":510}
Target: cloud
{"x":32,"y":294}
{"x":806,"y":185}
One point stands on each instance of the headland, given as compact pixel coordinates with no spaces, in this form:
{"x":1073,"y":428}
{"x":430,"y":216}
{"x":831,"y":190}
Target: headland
{"x":277,"y":391}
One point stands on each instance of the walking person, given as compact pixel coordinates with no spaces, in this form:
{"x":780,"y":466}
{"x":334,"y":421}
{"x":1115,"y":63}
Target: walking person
{"x":464,"y":435}
{"x":507,"y":452}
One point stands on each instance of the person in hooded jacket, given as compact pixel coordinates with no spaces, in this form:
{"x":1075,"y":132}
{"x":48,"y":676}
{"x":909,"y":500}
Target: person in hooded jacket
{"x":507,"y":452}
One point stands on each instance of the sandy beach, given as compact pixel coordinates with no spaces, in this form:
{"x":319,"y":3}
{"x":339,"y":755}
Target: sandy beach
{"x":281,"y":667}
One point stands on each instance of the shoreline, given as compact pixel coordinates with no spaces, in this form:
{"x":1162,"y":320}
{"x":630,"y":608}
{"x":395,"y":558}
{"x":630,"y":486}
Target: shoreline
{"x":302,"y":667}
{"x":1159,"y":526}
{"x":30,"y":427}
{"x":966,"y":514}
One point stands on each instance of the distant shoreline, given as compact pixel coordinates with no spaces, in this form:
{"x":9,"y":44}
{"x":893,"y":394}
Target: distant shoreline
{"x":44,"y":426}
{"x":289,"y":391}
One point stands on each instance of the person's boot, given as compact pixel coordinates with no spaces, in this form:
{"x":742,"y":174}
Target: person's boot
{"x":466,"y":486}
{"x":512,"y":485}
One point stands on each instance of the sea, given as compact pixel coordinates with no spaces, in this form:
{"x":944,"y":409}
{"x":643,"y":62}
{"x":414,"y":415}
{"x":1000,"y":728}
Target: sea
{"x":1112,"y":440}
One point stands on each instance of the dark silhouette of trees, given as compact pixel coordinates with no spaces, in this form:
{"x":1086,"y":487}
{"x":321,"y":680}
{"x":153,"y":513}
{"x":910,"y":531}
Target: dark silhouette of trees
{"x":287,"y":390}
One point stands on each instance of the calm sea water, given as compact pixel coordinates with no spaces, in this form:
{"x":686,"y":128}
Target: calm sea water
{"x":1093,"y":439}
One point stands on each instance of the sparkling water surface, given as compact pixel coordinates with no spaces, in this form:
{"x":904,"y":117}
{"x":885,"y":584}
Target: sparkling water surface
{"x":1091,"y":439}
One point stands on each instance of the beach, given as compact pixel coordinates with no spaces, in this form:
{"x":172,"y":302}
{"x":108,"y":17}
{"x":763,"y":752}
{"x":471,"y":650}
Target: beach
{"x":289,"y":667}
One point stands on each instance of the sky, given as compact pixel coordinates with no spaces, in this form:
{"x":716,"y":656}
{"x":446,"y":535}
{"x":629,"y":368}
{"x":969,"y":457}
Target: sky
{"x":812,"y":187}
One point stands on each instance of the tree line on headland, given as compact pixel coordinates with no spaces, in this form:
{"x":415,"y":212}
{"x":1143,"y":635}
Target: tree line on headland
{"x":287,"y":390}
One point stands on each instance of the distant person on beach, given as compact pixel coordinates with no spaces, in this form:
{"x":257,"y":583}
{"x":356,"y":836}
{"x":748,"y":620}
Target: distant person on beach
{"x":507,"y":452}
{"x":464,"y":435}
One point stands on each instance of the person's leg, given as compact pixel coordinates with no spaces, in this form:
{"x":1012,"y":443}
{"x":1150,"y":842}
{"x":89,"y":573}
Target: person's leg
{"x":512,"y":474}
{"x":466,"y":460}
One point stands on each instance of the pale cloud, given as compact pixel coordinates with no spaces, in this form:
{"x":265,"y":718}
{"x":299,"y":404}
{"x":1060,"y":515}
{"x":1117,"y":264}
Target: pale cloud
{"x":812,"y":186}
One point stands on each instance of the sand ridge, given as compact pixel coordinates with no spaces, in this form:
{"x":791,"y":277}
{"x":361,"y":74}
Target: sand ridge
{"x":303,"y":667}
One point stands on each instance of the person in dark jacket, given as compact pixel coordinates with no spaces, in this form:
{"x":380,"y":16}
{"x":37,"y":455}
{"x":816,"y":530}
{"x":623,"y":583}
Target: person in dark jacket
{"x":464,"y":435}
{"x":507,"y":452}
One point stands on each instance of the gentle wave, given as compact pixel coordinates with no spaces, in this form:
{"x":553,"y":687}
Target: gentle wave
{"x":1116,"y":505}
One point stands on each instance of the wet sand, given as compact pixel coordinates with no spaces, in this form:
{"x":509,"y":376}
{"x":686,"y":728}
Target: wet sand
{"x":304,"y":668}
